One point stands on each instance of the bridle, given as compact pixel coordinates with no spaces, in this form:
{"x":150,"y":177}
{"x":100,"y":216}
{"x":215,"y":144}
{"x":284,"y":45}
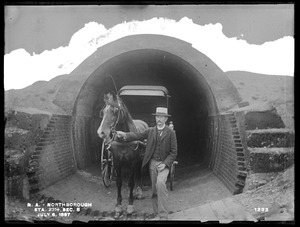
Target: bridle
{"x":114,"y":132}
{"x":113,"y":127}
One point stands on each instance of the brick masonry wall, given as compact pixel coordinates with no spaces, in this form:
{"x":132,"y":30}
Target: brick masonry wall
{"x":228,"y":156}
{"x":96,"y":142}
{"x":212,"y":141}
{"x":87,"y":144}
{"x":240,"y":121}
{"x":53,"y":158}
{"x":82,"y":141}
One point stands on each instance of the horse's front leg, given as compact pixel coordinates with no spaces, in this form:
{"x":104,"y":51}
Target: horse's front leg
{"x":130,"y":208}
{"x":119,"y":186}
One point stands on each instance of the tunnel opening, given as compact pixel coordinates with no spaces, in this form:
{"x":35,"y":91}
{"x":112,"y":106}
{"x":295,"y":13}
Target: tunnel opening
{"x":210,"y":129}
{"x":191,"y":103}
{"x":210,"y":136}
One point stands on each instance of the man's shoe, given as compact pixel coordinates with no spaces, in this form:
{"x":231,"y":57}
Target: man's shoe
{"x":165,"y":218}
{"x":156,"y":218}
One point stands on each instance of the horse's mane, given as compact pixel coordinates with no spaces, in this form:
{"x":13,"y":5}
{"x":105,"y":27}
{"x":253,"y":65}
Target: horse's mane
{"x":125,"y":115}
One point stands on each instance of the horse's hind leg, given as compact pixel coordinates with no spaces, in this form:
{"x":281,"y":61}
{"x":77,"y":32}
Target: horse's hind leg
{"x":138,"y":194}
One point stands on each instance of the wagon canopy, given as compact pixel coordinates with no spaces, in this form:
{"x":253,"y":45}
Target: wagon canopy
{"x":143,"y":90}
{"x":142,"y":100}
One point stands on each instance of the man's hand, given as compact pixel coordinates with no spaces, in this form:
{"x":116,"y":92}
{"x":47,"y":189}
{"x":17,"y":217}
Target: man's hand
{"x":121,"y":134}
{"x":161,"y":166}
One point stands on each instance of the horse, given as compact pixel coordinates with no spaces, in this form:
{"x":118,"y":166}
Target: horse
{"x":115,"y":117}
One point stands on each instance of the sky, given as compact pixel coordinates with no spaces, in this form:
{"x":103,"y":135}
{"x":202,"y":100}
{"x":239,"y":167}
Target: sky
{"x":42,"y":42}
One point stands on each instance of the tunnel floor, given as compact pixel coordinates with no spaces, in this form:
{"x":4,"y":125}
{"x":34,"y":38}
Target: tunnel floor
{"x":194,"y":185}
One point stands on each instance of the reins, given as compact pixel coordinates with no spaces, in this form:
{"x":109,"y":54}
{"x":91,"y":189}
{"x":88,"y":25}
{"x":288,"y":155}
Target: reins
{"x":114,"y":132}
{"x":113,"y":128}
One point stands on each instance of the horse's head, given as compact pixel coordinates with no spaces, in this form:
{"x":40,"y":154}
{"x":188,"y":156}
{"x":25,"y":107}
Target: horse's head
{"x":110,"y":114}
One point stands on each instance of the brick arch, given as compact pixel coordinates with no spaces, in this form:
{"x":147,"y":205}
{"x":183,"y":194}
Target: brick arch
{"x":225,"y":93}
{"x":223,"y":147}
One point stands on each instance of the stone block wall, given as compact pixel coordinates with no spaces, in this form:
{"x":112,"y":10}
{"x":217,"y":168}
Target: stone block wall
{"x":23,"y":130}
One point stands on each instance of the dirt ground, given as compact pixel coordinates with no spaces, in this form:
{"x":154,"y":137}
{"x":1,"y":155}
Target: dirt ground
{"x":190,"y":189}
{"x":267,"y":197}
{"x":270,"y":196}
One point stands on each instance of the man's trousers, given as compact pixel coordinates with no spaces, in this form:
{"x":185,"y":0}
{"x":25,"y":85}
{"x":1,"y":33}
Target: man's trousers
{"x":159,"y":189}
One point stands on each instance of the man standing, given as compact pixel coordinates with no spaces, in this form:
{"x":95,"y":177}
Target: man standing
{"x":161,"y":152}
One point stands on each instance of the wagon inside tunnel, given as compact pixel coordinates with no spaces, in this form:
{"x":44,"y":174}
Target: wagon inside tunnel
{"x":208,"y":134}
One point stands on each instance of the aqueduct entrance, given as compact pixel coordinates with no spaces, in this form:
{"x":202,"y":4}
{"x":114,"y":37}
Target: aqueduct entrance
{"x":202,"y":98}
{"x":200,"y":93}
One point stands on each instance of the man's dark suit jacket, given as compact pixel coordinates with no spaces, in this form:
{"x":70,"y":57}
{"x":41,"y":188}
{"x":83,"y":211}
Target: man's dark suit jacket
{"x":168,"y":144}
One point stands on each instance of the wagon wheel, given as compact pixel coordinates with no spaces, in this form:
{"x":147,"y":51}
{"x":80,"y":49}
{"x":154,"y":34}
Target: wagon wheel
{"x":106,"y":174}
{"x":106,"y":167}
{"x":103,"y":159}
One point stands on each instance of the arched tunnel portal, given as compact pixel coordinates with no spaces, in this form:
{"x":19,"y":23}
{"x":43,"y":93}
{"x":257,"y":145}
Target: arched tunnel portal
{"x":200,"y":92}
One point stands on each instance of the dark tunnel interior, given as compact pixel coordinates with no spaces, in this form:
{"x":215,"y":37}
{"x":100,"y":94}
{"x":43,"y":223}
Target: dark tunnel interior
{"x":190,"y":102}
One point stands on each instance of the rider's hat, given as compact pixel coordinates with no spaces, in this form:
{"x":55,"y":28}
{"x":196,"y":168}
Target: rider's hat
{"x":161,"y":111}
